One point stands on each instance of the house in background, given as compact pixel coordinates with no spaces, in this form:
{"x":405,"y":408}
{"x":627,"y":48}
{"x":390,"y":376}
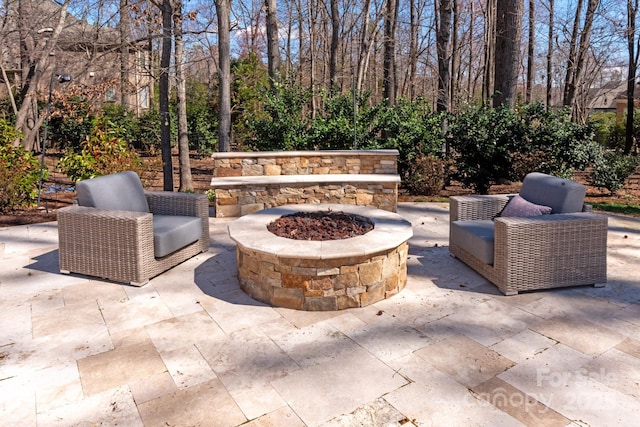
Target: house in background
{"x":611,"y":95}
{"x":91,"y":55}
{"x":621,"y":106}
{"x":604,"y":99}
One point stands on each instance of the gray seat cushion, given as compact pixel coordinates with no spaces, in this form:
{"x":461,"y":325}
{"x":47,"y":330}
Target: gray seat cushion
{"x":475,"y":236}
{"x":562,"y":195}
{"x":171,"y":233}
{"x":120,"y":191}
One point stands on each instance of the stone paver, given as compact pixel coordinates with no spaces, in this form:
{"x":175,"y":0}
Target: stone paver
{"x":320,"y":392}
{"x":519,"y":405}
{"x":190,"y":348}
{"x":464,"y":360}
{"x":203,"y":404}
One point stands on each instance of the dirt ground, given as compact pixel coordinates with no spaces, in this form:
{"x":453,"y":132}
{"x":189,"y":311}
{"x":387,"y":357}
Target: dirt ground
{"x":57,"y":191}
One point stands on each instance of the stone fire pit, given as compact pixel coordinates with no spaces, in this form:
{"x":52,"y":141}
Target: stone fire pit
{"x":321,"y":275}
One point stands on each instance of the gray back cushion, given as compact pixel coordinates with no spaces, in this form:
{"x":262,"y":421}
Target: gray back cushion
{"x":562,"y":195}
{"x":120,"y":191}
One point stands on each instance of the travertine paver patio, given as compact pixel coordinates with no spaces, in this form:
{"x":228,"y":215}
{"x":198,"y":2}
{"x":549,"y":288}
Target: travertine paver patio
{"x":190,"y":348}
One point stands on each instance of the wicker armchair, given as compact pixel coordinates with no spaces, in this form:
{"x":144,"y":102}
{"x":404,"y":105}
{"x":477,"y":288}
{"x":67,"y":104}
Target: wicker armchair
{"x":529,"y":253}
{"x":120,"y":232}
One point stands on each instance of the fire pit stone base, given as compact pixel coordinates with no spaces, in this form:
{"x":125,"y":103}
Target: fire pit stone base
{"x":322,"y":275}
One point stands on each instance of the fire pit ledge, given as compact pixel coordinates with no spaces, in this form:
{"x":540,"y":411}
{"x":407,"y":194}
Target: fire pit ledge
{"x":321,"y":275}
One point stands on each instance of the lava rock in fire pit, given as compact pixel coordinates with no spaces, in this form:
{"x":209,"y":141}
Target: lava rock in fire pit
{"x":320,"y":225}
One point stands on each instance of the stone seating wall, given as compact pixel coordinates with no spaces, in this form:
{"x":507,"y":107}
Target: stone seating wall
{"x":246,"y":182}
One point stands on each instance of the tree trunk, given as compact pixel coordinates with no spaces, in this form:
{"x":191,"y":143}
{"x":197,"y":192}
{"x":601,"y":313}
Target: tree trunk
{"x":632,"y":10}
{"x":186,"y":181}
{"x":153,"y":61}
{"x":507,"y":53}
{"x":223,"y":11}
{"x":368,"y":34}
{"x":389,"y":68}
{"x":530,"y":51}
{"x":455,"y":58}
{"x":578,"y":49}
{"x":585,"y":40}
{"x":273,"y":48}
{"x":165,"y":118}
{"x":333,"y":53}
{"x":301,"y":58}
{"x":288,"y":56}
{"x":27,"y":43}
{"x":470,"y":80}
{"x":311,"y":10}
{"x":489,"y":50}
{"x":550,"y":55}
{"x":125,"y":28}
{"x":413,"y":48}
{"x":569,"y":87}
{"x":7,"y":83}
{"x":34,"y":60}
{"x":443,"y":47}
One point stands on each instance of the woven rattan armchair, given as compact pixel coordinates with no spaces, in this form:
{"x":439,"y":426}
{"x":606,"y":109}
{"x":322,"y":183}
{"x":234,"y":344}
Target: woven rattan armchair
{"x":120,"y":232}
{"x":534,"y":252}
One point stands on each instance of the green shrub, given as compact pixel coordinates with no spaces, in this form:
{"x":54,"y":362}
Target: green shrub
{"x":483,"y":140}
{"x":69,"y":129}
{"x":203,"y":128}
{"x":147,"y":137}
{"x":122,"y":122}
{"x":249,"y":90}
{"x":102,"y":153}
{"x":611,"y":170}
{"x":413,"y":129}
{"x":553,"y":144}
{"x":427,"y":176}
{"x":497,"y":145}
{"x":281,"y":125}
{"x":19,"y":171}
{"x":608,"y":131}
{"x":333,"y":129}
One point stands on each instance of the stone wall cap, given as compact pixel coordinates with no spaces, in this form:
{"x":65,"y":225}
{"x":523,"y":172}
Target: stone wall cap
{"x":337,"y":178}
{"x":310,"y":153}
{"x":390,"y":230}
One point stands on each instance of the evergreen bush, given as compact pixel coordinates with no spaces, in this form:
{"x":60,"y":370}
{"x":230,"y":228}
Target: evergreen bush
{"x":611,"y":170}
{"x":19,"y":171}
{"x":102,"y":153}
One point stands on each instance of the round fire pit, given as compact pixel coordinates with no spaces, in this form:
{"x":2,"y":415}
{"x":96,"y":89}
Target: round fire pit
{"x":320,"y":275}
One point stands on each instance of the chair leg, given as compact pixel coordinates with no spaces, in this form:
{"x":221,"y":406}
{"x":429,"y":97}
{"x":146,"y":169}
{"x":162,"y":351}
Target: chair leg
{"x":138,"y":284}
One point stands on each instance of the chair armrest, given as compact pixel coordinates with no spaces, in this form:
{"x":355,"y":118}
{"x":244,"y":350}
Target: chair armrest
{"x":77,"y":211}
{"x":557,"y":236}
{"x":462,"y":208}
{"x":105,"y":231}
{"x":172,"y":203}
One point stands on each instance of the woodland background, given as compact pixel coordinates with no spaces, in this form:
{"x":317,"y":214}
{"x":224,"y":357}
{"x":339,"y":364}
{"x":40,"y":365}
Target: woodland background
{"x":471,"y":92}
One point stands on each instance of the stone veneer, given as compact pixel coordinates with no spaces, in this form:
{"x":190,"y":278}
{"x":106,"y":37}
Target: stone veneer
{"x":248,"y":182}
{"x":322,"y":275}
{"x":270,"y":163}
{"x":246,"y":197}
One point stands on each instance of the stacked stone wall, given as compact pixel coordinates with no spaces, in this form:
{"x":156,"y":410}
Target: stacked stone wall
{"x":234,"y":199}
{"x":240,"y":201}
{"x":309,"y":163}
{"x":327,"y":284}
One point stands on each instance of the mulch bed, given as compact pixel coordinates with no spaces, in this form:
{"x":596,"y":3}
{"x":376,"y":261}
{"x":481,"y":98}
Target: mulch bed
{"x":202,"y":171}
